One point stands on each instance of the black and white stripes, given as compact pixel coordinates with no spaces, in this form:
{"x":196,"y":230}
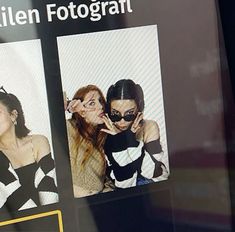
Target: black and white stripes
{"x":130,"y":160}
{"x":29,"y":186}
{"x":45,"y":181}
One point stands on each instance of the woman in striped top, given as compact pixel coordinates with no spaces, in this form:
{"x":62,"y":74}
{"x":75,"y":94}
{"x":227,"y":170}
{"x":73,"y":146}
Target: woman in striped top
{"x":27,"y":170}
{"x":132,"y":147}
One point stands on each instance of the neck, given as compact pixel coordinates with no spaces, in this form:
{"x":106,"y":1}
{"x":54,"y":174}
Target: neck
{"x":9,"y":141}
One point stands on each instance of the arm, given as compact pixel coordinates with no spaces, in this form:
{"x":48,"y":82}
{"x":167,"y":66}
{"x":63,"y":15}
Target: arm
{"x":45,"y":177}
{"x":78,"y":192}
{"x":73,"y":152}
{"x":152,"y":166}
{"x":9,"y":182}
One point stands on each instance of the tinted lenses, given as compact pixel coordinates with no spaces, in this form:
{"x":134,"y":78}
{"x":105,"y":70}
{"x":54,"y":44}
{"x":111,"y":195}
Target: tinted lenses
{"x":117,"y":117}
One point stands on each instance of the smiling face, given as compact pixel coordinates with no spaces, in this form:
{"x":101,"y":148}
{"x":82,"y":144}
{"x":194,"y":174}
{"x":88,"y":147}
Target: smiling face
{"x":94,"y":108}
{"x":6,"y":120}
{"x":123,"y":108}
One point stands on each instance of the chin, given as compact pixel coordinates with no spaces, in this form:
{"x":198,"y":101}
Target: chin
{"x":122,"y":128}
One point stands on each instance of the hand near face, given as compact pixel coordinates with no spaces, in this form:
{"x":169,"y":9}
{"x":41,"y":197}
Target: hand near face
{"x":137,"y":123}
{"x":111,"y":128}
{"x":75,"y":106}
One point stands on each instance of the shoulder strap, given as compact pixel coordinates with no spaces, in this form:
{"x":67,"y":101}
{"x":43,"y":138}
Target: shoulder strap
{"x":32,"y":148}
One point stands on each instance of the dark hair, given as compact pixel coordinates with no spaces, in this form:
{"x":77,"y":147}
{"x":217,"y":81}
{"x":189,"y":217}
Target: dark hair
{"x":125,"y":89}
{"x":12,"y":103}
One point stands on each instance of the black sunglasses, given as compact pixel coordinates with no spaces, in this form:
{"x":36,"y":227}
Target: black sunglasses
{"x":117,"y":117}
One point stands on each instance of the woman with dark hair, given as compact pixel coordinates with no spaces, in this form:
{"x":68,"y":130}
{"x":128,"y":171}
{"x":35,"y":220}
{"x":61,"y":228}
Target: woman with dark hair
{"x":27,"y":172}
{"x":86,"y":141}
{"x":133,"y":146}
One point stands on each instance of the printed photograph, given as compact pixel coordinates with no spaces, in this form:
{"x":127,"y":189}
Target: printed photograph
{"x":114,"y":109}
{"x":27,"y":167}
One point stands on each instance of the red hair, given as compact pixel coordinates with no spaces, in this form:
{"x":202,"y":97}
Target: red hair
{"x":92,"y":135}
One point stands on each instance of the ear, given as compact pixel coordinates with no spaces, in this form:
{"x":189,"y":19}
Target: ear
{"x":82,"y":113}
{"x":14,"y":115}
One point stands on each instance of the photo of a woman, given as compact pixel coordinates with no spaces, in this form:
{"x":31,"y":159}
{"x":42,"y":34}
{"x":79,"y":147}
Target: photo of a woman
{"x":86,"y":141}
{"x":133,"y":145}
{"x":27,"y":170}
{"x":133,"y":125}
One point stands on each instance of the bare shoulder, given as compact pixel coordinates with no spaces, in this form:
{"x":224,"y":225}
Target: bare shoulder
{"x":41,"y":146}
{"x":40,"y":139}
{"x":148,"y":124}
{"x":151,"y":131}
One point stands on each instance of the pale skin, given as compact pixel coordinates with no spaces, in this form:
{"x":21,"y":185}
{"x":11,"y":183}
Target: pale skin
{"x":20,"y":151}
{"x":90,"y":108}
{"x":146,"y":131}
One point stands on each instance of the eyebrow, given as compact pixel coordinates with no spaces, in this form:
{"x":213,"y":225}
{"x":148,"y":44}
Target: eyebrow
{"x":91,"y":99}
{"x":125,"y":111}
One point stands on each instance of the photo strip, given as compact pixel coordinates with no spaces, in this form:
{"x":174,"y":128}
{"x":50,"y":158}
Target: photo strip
{"x":27,"y":172}
{"x":114,"y":109}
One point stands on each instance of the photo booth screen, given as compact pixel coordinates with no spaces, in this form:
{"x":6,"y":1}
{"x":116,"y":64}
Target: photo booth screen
{"x":129,"y":109}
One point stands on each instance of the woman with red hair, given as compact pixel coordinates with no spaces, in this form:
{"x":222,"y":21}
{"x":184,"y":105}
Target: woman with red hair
{"x":86,"y":141}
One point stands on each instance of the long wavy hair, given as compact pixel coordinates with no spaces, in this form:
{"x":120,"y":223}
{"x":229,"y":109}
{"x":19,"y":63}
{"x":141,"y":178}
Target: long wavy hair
{"x":93,"y":137}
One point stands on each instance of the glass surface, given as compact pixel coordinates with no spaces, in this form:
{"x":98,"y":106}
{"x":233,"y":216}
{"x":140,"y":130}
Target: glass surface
{"x":175,"y":51}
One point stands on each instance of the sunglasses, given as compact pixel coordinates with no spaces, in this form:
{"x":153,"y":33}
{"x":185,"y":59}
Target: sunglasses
{"x":127,"y":118}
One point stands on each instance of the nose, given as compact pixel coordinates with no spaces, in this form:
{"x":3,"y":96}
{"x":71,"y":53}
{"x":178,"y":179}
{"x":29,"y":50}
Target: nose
{"x":100,"y":106}
{"x":122,"y":122}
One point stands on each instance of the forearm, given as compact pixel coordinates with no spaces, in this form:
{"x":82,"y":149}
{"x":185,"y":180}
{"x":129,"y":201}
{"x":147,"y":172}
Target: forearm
{"x":45,"y":181}
{"x":152,"y":165}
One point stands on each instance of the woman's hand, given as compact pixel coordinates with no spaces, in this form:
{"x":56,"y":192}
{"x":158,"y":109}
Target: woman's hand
{"x":75,"y":106}
{"x":111,"y":128}
{"x":137,"y":123}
